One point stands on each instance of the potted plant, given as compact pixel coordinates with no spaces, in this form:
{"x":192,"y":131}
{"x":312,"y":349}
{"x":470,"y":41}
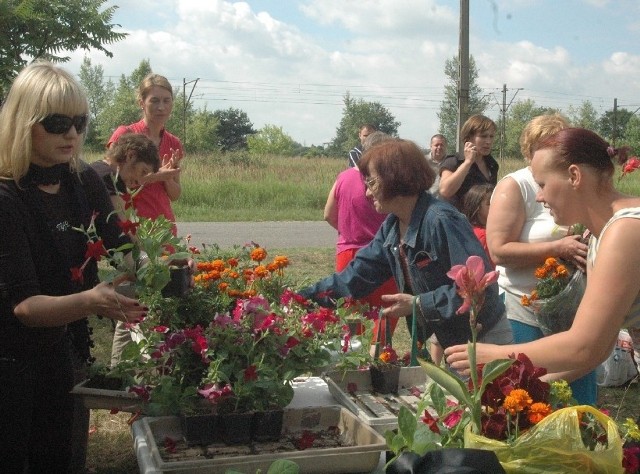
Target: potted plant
{"x":385,"y":371}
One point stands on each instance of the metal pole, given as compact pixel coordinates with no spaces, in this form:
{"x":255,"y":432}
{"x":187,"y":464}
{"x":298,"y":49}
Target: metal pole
{"x":185,"y":101}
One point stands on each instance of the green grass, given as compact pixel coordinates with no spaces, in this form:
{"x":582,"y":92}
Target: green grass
{"x":242,"y":188}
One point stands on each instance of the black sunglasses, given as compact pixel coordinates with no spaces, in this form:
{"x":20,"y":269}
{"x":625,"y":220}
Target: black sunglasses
{"x":59,"y":124}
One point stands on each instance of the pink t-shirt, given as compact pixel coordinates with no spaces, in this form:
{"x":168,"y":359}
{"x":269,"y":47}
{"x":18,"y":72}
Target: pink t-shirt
{"x":153,"y":200}
{"x":358,"y":221}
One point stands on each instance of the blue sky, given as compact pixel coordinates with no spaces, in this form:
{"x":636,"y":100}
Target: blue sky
{"x":290,"y":63}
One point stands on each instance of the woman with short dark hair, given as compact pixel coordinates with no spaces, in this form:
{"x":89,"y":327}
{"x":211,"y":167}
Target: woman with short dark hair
{"x":418,"y":243}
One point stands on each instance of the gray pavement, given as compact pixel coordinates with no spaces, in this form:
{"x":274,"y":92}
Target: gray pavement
{"x":285,"y":234}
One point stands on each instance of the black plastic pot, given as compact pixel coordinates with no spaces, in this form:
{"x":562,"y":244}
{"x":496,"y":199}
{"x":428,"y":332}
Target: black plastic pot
{"x":236,"y":427}
{"x":201,"y":429}
{"x":267,"y":425}
{"x":179,"y":284}
{"x":385,"y":378}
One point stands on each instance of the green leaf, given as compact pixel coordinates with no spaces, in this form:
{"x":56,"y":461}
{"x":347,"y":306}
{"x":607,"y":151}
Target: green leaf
{"x":493,"y":370}
{"x":407,"y":424}
{"x":424,"y":440}
{"x":283,"y":466}
{"x":449,"y":382}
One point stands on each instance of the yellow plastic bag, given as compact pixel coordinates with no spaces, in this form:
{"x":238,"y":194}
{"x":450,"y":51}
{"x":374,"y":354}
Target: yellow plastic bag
{"x":555,"y":446}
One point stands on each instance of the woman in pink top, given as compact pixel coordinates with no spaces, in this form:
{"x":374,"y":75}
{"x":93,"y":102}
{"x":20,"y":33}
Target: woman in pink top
{"x":352,"y":214}
{"x":155,"y":97}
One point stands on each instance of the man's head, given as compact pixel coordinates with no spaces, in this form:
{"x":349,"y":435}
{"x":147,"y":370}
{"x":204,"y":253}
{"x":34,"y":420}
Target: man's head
{"x":438,"y":147}
{"x":366,"y":130}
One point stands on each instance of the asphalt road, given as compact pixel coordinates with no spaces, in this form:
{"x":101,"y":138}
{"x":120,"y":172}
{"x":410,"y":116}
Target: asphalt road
{"x":285,"y":234}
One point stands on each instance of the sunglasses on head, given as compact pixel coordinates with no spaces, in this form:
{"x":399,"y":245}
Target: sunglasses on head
{"x":59,"y":124}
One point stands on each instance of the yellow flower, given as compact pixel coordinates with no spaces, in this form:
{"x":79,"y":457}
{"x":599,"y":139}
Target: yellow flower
{"x":518,"y":400}
{"x":633,"y":432}
{"x":562,"y":391}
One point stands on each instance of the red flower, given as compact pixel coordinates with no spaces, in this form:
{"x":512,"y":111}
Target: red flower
{"x":77,"y":274}
{"x":128,"y":227}
{"x":305,"y":441}
{"x":631,"y":165}
{"x":250,"y":373}
{"x":431,"y":422}
{"x":472,"y":281}
{"x":95,"y":250}
{"x":631,"y":459}
{"x":170,"y":444}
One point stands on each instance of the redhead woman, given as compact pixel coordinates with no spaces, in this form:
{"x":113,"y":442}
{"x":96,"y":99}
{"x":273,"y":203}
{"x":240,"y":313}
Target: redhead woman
{"x":417,"y":244}
{"x":46,"y":191}
{"x":155,"y":98}
{"x":575,"y":172}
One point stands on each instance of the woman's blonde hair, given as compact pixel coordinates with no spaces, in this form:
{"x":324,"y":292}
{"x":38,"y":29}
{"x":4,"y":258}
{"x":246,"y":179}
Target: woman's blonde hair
{"x":41,"y":89}
{"x":538,"y":128}
{"x":151,"y":80}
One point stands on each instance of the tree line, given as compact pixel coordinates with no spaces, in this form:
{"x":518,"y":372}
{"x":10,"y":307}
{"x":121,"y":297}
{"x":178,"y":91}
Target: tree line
{"x":44,"y":29}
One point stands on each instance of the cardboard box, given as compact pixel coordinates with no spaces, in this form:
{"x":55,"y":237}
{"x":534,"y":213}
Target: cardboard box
{"x":362,"y":454}
{"x":377,"y":410}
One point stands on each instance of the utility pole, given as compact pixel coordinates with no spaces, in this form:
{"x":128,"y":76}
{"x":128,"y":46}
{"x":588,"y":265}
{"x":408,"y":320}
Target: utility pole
{"x":503,"y":116}
{"x":185,"y":101}
{"x":615,"y":122}
{"x":463,"y":73}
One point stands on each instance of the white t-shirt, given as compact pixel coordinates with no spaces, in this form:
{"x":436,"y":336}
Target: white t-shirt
{"x":538,"y":227}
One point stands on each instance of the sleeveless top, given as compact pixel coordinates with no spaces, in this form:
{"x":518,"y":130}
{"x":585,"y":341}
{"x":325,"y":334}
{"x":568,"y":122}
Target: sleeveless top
{"x":538,"y":226}
{"x":632,"y":319}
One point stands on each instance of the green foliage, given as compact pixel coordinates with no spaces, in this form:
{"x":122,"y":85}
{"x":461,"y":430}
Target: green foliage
{"x":448,"y":114}
{"x":45,"y":28}
{"x":612,"y":126}
{"x":518,"y":115}
{"x":355,"y":113}
{"x":271,"y":139}
{"x":632,"y":134}
{"x":584,"y":116}
{"x":233,"y":128}
{"x":98,"y":94}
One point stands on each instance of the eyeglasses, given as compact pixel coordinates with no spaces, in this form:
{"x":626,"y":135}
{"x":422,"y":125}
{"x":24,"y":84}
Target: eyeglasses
{"x":371,"y":183}
{"x":59,"y":124}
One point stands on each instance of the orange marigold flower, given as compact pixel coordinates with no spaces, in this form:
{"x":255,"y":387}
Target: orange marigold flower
{"x":541,"y":272}
{"x":534,"y":295}
{"x":385,"y":357}
{"x":518,"y":400}
{"x":258,"y":254}
{"x":233,"y":275}
{"x":281,"y":261}
{"x":234,"y":293}
{"x":561,"y":272}
{"x":525,"y":300}
{"x":249,"y":293}
{"x":551,"y":262}
{"x":232,"y":262}
{"x":223,"y":286}
{"x":538,"y":411}
{"x":261,"y":271}
{"x":272,"y":267}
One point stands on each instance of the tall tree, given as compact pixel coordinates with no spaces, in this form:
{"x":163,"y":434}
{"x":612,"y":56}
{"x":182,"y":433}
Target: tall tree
{"x":123,"y":107}
{"x":202,"y":135}
{"x":99,"y":95}
{"x":233,"y":127}
{"x":46,"y":28}
{"x":271,"y":139}
{"x":355,"y":113}
{"x":612,"y":126}
{"x":584,"y":116}
{"x":632,"y":135}
{"x":518,"y":115}
{"x":448,"y":114}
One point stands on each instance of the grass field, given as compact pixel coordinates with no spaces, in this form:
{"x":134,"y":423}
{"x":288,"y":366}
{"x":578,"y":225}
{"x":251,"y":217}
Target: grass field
{"x":243,"y":188}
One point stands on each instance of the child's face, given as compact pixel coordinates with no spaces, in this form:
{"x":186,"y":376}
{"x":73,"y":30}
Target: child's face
{"x":483,"y":212}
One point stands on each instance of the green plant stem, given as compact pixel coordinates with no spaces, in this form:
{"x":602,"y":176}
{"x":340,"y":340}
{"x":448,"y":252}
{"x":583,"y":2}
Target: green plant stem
{"x":477,"y":406}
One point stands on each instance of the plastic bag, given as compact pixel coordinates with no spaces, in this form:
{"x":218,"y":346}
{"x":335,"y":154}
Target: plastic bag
{"x":556,"y":314}
{"x":619,"y":368}
{"x":555,"y":446}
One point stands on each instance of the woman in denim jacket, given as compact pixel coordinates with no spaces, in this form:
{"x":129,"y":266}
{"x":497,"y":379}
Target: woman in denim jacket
{"x":418,"y":243}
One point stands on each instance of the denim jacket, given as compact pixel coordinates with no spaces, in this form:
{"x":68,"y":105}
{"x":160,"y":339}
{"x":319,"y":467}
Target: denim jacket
{"x":438,"y":237}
